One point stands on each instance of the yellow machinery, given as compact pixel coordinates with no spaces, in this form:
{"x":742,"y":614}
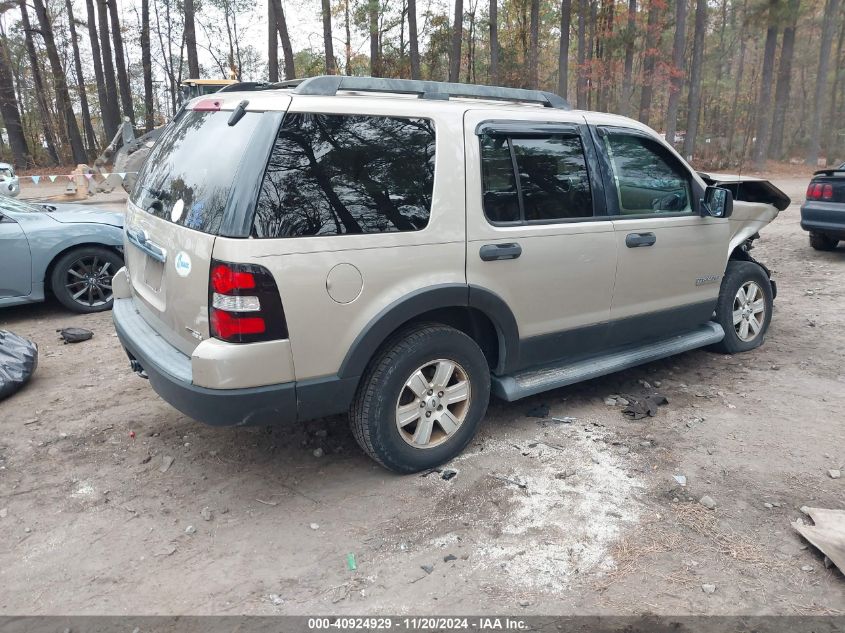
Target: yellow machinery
{"x":191,"y":88}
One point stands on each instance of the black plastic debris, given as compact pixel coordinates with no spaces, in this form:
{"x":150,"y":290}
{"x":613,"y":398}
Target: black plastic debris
{"x":18,"y":360}
{"x":540,"y":411}
{"x":74,"y":334}
{"x":448,"y":473}
{"x":639,"y":408}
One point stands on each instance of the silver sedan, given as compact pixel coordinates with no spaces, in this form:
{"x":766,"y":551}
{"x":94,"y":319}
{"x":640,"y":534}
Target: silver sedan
{"x":68,"y":250}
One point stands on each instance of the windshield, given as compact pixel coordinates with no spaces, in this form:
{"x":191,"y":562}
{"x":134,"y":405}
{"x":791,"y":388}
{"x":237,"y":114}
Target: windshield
{"x":189,"y":173}
{"x":5,"y":172}
{"x":18,"y":206}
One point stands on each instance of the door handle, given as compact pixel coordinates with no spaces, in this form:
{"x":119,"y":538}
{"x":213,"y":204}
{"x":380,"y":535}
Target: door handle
{"x":635,"y":240}
{"x":493,"y":252}
{"x":139,"y":238}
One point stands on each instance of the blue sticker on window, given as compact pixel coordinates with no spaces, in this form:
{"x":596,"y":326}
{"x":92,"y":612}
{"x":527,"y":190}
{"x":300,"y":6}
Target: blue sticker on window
{"x":195,"y":217}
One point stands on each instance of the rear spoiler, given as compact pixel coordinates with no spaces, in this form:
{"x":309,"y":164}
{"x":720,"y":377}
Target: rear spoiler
{"x":749,"y":189}
{"x":834,"y":171}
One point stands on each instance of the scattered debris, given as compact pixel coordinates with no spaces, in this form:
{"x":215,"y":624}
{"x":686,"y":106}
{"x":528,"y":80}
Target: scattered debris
{"x":18,"y":361}
{"x":206,"y":514}
{"x":768,"y":505}
{"x":834,"y":473}
{"x":166,"y":462}
{"x":314,"y":526}
{"x":74,"y":334}
{"x":448,"y":473}
{"x":566,"y":474}
{"x":318,"y":452}
{"x":276,"y":599}
{"x":267,"y":503}
{"x":639,"y":408}
{"x":146,"y":459}
{"x":540,"y":411}
{"x":708,"y":588}
{"x":827,"y":535}
{"x":806,"y":568}
{"x":32,"y":421}
{"x":449,"y":558}
{"x":524,"y":603}
{"x":351,"y":565}
{"x":427,"y":568}
{"x":565,"y":420}
{"x":190,"y":530}
{"x":681,"y":479}
{"x":707,"y":502}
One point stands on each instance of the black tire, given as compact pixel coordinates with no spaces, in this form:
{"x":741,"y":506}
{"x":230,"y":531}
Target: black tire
{"x":373,"y":412}
{"x":102,"y":264}
{"x":823,"y":242}
{"x":736,"y":276}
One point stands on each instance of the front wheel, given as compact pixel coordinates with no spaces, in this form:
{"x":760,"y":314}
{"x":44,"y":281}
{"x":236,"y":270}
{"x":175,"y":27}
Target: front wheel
{"x":81,"y":278}
{"x":744,"y":308}
{"x":422,"y":398}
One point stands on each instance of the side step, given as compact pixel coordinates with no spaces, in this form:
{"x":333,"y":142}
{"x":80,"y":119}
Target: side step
{"x":536,"y":380}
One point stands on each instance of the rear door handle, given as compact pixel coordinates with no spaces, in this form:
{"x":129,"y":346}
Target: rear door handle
{"x":493,"y":252}
{"x":635,"y":240}
{"x":139,"y":238}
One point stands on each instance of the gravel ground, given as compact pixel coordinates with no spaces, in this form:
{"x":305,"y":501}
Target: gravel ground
{"x":92,"y":521}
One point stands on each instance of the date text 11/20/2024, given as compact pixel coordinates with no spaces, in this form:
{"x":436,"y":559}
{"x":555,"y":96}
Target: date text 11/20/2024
{"x":419,"y":624}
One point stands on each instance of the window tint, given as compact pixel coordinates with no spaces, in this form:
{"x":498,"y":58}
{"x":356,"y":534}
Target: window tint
{"x":553,"y":180}
{"x":648,"y":178}
{"x":333,"y":175}
{"x":189,"y":173}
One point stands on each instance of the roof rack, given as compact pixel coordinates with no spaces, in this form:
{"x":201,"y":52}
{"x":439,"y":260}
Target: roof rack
{"x":329,"y":85}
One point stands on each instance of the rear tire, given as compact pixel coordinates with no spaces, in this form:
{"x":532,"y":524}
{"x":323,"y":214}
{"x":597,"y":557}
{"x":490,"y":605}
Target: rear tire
{"x":422,"y":398}
{"x":744,"y":308}
{"x":823,"y":242}
{"x":82,"y":278}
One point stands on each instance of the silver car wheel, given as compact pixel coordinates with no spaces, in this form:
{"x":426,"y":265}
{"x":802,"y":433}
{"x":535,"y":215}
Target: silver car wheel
{"x":88,"y":281}
{"x":749,"y":311}
{"x":433,"y":403}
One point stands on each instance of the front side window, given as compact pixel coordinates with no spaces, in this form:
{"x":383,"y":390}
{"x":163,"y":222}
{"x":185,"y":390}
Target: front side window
{"x":648,"y":178}
{"x":347,"y":174}
{"x":534,"y":179}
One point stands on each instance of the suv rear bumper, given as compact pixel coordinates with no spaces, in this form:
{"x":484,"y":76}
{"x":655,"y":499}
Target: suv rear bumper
{"x":170,"y":374}
{"x":824,"y":217}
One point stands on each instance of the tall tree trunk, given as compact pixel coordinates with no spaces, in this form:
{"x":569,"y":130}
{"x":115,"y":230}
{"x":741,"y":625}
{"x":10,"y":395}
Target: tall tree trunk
{"x":60,"y":83}
{"x":40,"y":91}
{"x":787,"y":52}
{"x":649,"y":60}
{"x":494,"y":42}
{"x":628,"y":72}
{"x":373,"y":11}
{"x":676,"y":80}
{"x":287,"y":49}
{"x":413,"y":39}
{"x":534,"y":46}
{"x":694,"y":101}
{"x":563,"y":56}
{"x":457,"y":37}
{"x":80,"y":84}
{"x":112,"y":99}
{"x":833,"y":127}
{"x":191,"y":40}
{"x":766,"y":81}
{"x":331,"y":67}
{"x":272,"y":45}
{"x":10,"y":112}
{"x":732,"y":124}
{"x":348,"y":41}
{"x":581,"y":77}
{"x":831,"y":11}
{"x":147,"y":66}
{"x":120,"y":60}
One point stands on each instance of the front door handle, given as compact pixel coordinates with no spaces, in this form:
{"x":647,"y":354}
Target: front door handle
{"x":493,"y":252}
{"x":635,"y":240}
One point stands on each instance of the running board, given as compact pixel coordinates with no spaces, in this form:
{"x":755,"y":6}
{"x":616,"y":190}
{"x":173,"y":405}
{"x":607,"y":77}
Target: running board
{"x":532,"y":381}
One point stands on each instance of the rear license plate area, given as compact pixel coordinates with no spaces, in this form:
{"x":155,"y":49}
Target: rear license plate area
{"x":153,"y":273}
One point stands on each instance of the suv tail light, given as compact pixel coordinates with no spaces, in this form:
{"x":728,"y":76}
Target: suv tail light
{"x":820,"y":191}
{"x":244,"y":304}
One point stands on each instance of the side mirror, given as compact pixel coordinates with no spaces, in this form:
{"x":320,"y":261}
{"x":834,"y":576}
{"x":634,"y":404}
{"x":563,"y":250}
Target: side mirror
{"x":717,"y":203}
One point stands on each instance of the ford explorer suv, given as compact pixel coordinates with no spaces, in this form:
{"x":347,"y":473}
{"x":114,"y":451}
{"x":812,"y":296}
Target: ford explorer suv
{"x":823,"y":211}
{"x":400,"y":250}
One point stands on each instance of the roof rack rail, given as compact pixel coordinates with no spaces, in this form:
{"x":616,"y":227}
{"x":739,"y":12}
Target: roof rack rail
{"x":329,"y":85}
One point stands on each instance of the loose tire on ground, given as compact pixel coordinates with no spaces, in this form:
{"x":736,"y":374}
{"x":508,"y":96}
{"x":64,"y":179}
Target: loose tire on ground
{"x":68,"y":278}
{"x":823,"y":242}
{"x":738,"y":316}
{"x":388,"y":395}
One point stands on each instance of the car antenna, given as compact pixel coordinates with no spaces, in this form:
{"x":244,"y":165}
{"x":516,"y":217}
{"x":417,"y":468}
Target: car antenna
{"x":238,"y":112}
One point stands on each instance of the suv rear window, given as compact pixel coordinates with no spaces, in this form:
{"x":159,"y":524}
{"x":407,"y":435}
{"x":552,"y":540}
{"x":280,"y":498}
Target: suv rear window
{"x":342,"y":174}
{"x":189,"y":173}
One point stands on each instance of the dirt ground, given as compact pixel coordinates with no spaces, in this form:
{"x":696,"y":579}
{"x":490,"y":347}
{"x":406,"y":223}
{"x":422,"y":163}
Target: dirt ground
{"x":249,"y":521}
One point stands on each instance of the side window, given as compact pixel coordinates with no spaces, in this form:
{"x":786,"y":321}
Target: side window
{"x":648,"y":178}
{"x":550,"y":182}
{"x":342,"y":174}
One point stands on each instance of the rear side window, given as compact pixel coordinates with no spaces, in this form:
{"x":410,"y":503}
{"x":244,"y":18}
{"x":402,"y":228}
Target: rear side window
{"x":189,"y":173}
{"x":347,"y":174}
{"x":535,"y":179}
